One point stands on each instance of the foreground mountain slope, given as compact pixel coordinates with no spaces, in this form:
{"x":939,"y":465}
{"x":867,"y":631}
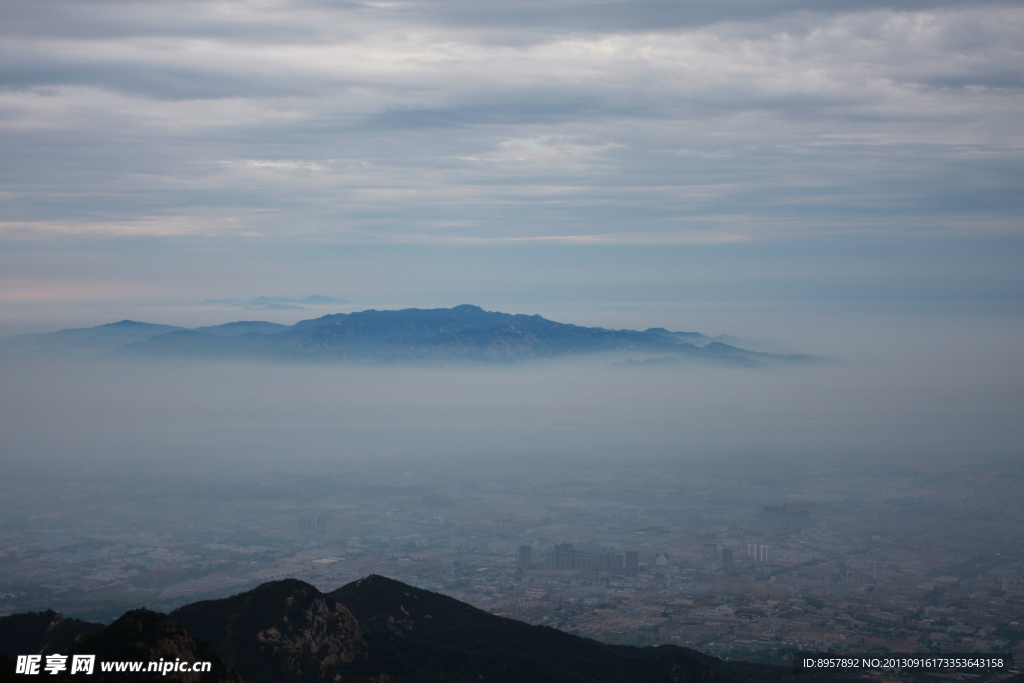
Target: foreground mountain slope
{"x":280,"y":631}
{"x":289,"y":632}
{"x":41,"y":633}
{"x":386,"y":632}
{"x":385,"y":605}
{"x":144,"y":636}
{"x":391,"y":606}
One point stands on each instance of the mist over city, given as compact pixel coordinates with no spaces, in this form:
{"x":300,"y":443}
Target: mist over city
{"x":692,"y":329}
{"x":140,"y":479}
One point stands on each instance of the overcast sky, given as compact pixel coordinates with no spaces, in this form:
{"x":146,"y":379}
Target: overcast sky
{"x":450,"y":151}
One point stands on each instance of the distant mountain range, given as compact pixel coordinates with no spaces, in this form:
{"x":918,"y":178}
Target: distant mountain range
{"x":375,"y":630}
{"x":460,"y":334}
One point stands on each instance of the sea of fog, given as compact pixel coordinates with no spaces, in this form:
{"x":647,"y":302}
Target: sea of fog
{"x":910,"y":380}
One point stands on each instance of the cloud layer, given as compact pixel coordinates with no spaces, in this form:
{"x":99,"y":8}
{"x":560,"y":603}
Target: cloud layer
{"x":473,"y":121}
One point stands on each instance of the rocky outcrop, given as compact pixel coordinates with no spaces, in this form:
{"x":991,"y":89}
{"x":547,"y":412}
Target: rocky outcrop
{"x":289,"y":632}
{"x":144,"y":636}
{"x":281,"y":632}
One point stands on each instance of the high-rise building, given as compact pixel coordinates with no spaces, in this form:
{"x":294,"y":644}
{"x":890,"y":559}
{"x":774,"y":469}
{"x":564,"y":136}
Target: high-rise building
{"x":563,"y":556}
{"x":726,"y":560}
{"x":632,"y":565}
{"x":583,"y":561}
{"x":313,"y":525}
{"x":759,"y":553}
{"x":710,"y":551}
{"x":525,"y":557}
{"x":609,"y":562}
{"x":549,"y":561}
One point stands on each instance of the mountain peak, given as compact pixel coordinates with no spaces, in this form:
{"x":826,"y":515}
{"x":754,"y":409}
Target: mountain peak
{"x":463,"y":334}
{"x":280,"y":631}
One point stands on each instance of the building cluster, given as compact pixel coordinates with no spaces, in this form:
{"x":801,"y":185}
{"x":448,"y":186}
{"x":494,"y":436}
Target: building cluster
{"x":589,"y":559}
{"x":652,"y":558}
{"x":313,"y":525}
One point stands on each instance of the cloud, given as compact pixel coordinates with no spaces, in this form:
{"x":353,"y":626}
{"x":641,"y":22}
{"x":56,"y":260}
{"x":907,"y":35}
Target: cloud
{"x":569,"y":121}
{"x":156,"y":226}
{"x":15,"y":290}
{"x":632,"y":238}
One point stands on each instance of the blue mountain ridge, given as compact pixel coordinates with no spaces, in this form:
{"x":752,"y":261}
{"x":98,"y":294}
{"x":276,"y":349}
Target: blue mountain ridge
{"x":464,"y":333}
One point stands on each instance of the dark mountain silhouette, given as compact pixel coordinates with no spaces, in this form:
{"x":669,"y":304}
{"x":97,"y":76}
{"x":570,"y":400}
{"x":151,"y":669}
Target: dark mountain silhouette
{"x":281,"y":631}
{"x":383,"y":605}
{"x":288,"y":631}
{"x":142,"y":635}
{"x":41,"y":633}
{"x":391,"y":606}
{"x":378,"y":630}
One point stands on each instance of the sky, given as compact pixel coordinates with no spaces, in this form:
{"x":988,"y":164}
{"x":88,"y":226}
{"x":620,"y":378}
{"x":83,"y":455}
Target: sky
{"x":531,"y":154}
